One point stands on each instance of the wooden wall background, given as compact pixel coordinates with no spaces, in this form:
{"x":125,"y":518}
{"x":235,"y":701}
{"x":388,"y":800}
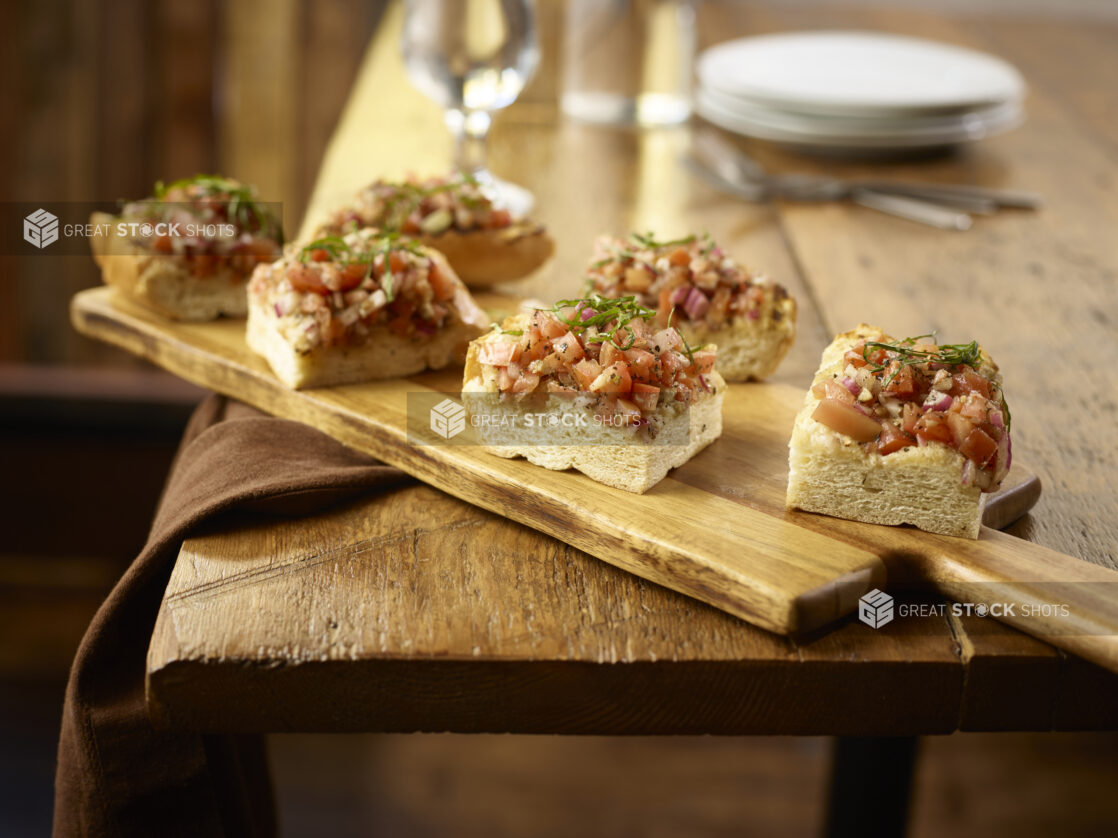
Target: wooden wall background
{"x":104,"y":97}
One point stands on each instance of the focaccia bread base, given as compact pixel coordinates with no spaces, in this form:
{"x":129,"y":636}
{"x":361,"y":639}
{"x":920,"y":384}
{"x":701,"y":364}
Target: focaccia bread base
{"x":607,"y":454}
{"x":830,"y":473}
{"x":165,"y":282}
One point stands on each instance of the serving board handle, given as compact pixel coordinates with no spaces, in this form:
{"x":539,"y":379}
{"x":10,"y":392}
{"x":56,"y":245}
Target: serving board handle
{"x":1069,"y":603}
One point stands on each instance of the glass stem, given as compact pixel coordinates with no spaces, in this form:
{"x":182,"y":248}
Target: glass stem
{"x":470,"y":130}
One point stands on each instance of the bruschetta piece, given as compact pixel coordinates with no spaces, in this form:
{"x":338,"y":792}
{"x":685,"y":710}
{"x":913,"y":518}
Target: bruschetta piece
{"x":367,"y":306}
{"x":483,"y":243}
{"x":594,"y":385}
{"x":708,"y":297}
{"x":901,"y":432}
{"x":188,"y":251}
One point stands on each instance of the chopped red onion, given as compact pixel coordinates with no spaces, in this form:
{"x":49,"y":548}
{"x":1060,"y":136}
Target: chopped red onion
{"x":679,"y":296}
{"x":853,"y":386}
{"x":996,"y":419}
{"x":754,"y":314}
{"x":1001,"y":459}
{"x":938,"y":400}
{"x":696,"y":304}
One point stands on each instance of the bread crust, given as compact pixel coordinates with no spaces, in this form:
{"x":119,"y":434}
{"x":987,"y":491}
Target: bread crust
{"x":748,"y":349}
{"x":383,"y":354}
{"x":615,"y":456}
{"x":165,"y":282}
{"x":485,"y":257}
{"x":831,"y":474}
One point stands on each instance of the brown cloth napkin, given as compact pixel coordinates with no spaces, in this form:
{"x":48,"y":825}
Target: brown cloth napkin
{"x":117,"y":775}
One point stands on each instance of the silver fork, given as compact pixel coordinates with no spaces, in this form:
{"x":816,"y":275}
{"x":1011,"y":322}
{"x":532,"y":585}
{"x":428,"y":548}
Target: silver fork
{"x":945,"y":206}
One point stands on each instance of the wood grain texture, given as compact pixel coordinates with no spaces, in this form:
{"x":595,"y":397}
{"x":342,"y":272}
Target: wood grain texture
{"x":715,"y":529}
{"x":1037,"y":289}
{"x":843,"y":265}
{"x":356,"y":620}
{"x":695,"y":535}
{"x":417,"y":612}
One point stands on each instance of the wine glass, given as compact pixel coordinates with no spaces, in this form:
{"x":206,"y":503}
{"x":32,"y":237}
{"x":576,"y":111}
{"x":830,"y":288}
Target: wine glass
{"x":473,"y":57}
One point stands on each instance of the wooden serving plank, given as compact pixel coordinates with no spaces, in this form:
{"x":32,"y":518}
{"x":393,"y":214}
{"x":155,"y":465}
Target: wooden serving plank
{"x":715,"y":529}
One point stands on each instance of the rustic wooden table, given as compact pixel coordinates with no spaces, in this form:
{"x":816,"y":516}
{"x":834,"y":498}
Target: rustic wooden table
{"x":415,"y":611}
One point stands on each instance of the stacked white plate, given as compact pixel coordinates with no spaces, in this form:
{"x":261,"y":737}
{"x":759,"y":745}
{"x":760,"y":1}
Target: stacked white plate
{"x":857,"y":91}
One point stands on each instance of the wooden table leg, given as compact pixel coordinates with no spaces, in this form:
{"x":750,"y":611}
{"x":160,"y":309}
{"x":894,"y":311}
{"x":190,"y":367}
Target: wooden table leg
{"x":871,"y":786}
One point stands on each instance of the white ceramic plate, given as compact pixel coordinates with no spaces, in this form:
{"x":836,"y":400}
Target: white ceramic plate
{"x":858,"y":73}
{"x":746,"y":111}
{"x":774,"y":127}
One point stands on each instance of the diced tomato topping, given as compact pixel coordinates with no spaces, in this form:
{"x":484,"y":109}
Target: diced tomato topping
{"x":837,"y":392}
{"x":441,"y":284}
{"x":670,"y":364}
{"x":398,"y":261}
{"x":614,"y":379}
{"x":568,"y":348}
{"x":680,"y":257}
{"x":642,"y":363}
{"x":704,"y":360}
{"x":960,"y":427}
{"x":974,"y":408}
{"x":854,"y":357}
{"x":559,"y":390}
{"x":306,"y":279}
{"x":969,"y":381}
{"x":645,"y":395}
{"x":978,"y":447}
{"x":320,"y":255}
{"x":893,"y":439}
{"x":499,"y":353}
{"x":549,"y":325}
{"x":161,"y":244}
{"x":352,"y":275}
{"x":902,"y":383}
{"x":844,"y":418}
{"x":586,"y":372}
{"x":933,"y":427}
{"x":526,"y":383}
{"x":609,"y":353}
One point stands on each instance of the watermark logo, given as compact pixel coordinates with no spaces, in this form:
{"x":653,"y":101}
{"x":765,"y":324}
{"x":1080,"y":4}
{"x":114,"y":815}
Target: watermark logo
{"x":875,"y":609}
{"x":40,"y":228}
{"x":448,"y":419}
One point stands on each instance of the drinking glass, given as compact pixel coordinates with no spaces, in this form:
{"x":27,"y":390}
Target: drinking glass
{"x":473,"y":57}
{"x":628,"y":62}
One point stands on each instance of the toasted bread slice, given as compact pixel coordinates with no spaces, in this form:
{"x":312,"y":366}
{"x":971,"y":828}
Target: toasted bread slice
{"x":568,"y":430}
{"x":368,"y":347}
{"x":927,"y":483}
{"x":455,"y":215}
{"x":705,"y":294}
{"x":166,"y":282}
